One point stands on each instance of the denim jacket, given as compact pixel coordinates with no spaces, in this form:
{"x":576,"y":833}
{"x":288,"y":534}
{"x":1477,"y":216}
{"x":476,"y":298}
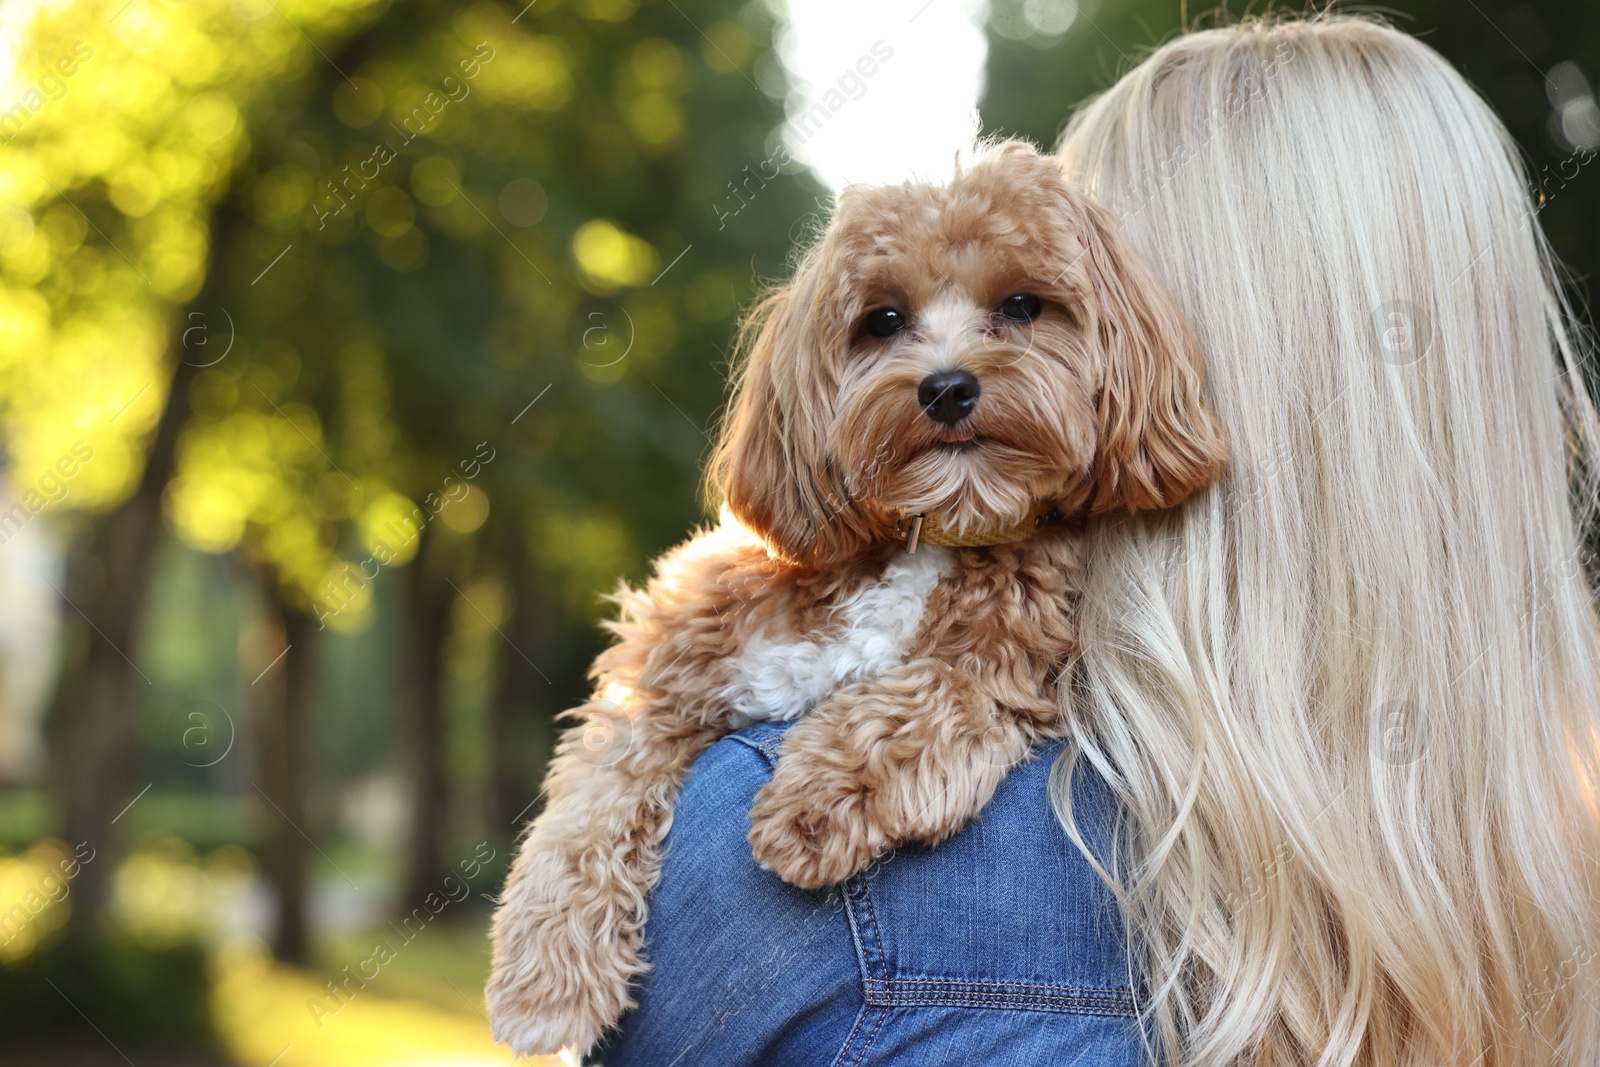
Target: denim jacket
{"x":999,"y":947}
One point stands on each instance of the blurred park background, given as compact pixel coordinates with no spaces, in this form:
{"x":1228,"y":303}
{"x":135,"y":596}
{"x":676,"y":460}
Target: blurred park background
{"x":349,"y":350}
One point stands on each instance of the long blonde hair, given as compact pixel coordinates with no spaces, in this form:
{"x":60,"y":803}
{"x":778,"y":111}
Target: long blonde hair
{"x":1349,"y":698}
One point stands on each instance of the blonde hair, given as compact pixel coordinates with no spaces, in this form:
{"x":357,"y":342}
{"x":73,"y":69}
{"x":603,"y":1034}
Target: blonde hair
{"x":1348,"y":698}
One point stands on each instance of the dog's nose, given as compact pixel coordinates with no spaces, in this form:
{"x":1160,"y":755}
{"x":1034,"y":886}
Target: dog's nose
{"x":948,"y":396}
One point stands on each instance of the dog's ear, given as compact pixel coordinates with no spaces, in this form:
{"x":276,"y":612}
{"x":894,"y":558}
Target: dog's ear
{"x":771,"y":464}
{"x":1158,"y":442}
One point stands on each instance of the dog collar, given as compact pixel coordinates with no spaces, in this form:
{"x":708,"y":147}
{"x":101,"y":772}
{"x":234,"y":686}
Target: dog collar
{"x":918,"y":531}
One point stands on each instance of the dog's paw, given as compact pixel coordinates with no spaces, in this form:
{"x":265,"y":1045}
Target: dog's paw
{"x":531,"y":1027}
{"x":563,"y":965}
{"x":565,"y":996}
{"x":812,"y":839}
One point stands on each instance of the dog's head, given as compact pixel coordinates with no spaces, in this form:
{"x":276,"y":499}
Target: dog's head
{"x":968,"y":352}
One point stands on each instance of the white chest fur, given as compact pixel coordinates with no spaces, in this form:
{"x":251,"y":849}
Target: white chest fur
{"x":781,"y":675}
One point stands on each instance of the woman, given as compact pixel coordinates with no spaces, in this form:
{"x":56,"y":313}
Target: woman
{"x":1335,"y":722}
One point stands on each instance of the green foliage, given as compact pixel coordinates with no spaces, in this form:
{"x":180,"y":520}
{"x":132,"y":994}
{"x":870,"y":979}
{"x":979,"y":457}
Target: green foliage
{"x":1522,"y":57}
{"x":472,"y":205}
{"x":419,"y":234}
{"x":106,"y":194}
{"x":136,"y":994}
{"x":455,"y":274}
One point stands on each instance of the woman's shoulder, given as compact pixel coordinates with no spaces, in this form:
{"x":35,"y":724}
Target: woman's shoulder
{"x":1001,"y":937}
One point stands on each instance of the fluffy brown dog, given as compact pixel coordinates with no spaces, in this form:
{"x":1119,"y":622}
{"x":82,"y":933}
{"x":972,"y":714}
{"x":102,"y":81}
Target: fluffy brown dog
{"x":956,"y":377}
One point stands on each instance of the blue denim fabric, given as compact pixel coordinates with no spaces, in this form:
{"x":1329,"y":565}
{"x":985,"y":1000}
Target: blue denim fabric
{"x":1000,"y":947}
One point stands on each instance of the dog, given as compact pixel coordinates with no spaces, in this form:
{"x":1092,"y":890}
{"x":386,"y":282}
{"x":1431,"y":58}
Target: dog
{"x":956,"y":379}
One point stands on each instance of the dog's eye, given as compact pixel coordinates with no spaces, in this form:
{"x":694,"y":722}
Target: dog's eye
{"x":1023,"y":307}
{"x":881,"y":322}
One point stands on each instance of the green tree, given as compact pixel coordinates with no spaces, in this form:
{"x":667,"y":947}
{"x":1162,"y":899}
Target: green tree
{"x":116,"y":175}
{"x":1535,"y":63}
{"x":478,"y":268}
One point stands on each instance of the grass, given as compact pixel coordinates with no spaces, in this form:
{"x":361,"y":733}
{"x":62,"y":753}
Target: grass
{"x":409,"y":1016}
{"x":417,"y":1003}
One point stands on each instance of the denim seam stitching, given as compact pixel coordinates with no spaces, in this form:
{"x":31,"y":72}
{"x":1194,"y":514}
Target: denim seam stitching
{"x":883,"y":1013}
{"x":996,"y":1004}
{"x":889,"y":995}
{"x":850,"y":1038}
{"x":768,"y":748}
{"x":1115,"y":991}
{"x":891,"y":991}
{"x":745,"y":741}
{"x":862,"y":927}
{"x":858,"y":934}
{"x":1026,"y":996}
{"x":877,"y":933}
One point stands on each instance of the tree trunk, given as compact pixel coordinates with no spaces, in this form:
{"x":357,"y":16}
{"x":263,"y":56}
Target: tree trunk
{"x":282,"y":712}
{"x":520,"y":730}
{"x":429,"y":597}
{"x":91,"y":725}
{"x":108,"y":573}
{"x":92,"y":722}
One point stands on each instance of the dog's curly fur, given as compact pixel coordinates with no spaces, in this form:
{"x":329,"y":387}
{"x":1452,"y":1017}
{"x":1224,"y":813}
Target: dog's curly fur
{"x":1091,"y":407}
